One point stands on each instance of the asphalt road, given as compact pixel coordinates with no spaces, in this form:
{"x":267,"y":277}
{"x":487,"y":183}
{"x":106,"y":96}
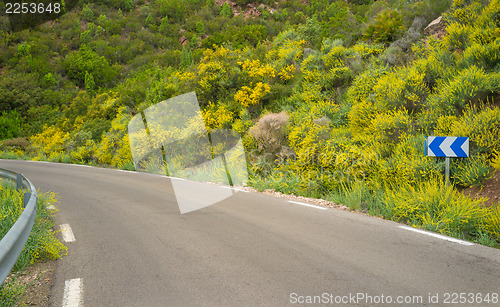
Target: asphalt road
{"x":134,"y":248}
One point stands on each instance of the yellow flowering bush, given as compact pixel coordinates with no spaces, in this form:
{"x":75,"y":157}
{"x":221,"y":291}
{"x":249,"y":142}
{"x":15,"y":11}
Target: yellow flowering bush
{"x":403,"y":162}
{"x":434,"y":206}
{"x":248,"y":96}
{"x":495,"y":161}
{"x":403,"y":87}
{"x":287,"y":73}
{"x":362,"y":86}
{"x":257,"y":70}
{"x":114,"y":148}
{"x":482,"y":126}
{"x":291,"y":50}
{"x":390,"y":127}
{"x":217,"y":116}
{"x":492,"y":222}
{"x":469,"y":84}
{"x":50,"y":141}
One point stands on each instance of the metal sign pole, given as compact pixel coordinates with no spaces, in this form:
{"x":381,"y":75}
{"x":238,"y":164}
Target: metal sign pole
{"x":447,"y":171}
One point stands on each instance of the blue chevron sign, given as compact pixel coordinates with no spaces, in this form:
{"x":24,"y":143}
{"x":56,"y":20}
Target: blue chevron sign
{"x":447,"y":146}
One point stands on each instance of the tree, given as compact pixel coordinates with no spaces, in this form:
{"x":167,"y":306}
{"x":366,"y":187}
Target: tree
{"x":85,"y":60}
{"x":226,"y":10}
{"x":87,"y":13}
{"x":89,"y":82}
{"x":164,"y":25}
{"x":128,"y":5}
{"x":186,"y":57}
{"x":10,"y":125}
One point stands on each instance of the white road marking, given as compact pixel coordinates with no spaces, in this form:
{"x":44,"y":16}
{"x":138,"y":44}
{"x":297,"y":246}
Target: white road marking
{"x":124,"y":171}
{"x":307,"y":205}
{"x":67,"y":233}
{"x":73,"y":289}
{"x":82,"y":165}
{"x":436,"y":235}
{"x":241,"y":190}
{"x":182,"y":179}
{"x":38,"y":161}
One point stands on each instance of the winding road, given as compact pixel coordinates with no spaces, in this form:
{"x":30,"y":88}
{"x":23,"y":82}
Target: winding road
{"x":133,"y":248}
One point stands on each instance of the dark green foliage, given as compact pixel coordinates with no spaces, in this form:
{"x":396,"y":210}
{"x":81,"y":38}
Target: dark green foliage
{"x":10,"y":125}
{"x":127,"y":5}
{"x":249,"y":35}
{"x":19,"y":91}
{"x":89,"y":82}
{"x":164,"y":26}
{"x":186,"y":57}
{"x":174,"y":9}
{"x":85,"y":61}
{"x":87,"y":13}
{"x":96,"y":128}
{"x":387,"y":27}
{"x":226,"y":10}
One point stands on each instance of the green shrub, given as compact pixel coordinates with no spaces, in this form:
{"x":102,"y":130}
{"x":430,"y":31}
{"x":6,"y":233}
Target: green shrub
{"x":405,"y":163}
{"x":471,"y":84}
{"x":433,"y":206}
{"x":471,"y":171}
{"x":10,"y":125}
{"x":358,"y":196}
{"x":86,"y":61}
{"x":482,"y":125}
{"x":386,"y":27}
{"x":87,"y":13}
{"x":493,"y":222}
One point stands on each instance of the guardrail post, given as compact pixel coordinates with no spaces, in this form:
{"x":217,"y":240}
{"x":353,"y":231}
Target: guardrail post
{"x":19,"y":182}
{"x":26,"y":198}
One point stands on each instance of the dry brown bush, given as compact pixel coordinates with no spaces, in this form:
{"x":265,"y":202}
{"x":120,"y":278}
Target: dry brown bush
{"x":270,"y":132}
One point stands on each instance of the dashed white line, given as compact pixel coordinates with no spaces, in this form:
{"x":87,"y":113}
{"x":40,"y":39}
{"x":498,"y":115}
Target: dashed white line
{"x":73,"y":289}
{"x":307,"y":205}
{"x":436,"y":235}
{"x":67,"y":233}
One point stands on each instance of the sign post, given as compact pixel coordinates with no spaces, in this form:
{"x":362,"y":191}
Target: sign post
{"x":447,"y":146}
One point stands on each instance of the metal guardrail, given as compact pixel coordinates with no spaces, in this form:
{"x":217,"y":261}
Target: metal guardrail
{"x":13,"y":242}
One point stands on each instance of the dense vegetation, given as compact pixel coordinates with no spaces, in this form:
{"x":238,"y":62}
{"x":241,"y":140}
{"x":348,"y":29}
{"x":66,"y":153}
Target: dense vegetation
{"x":333,"y":99}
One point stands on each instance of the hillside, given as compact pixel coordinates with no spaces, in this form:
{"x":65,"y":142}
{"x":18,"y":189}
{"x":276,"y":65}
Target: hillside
{"x":333,"y":99}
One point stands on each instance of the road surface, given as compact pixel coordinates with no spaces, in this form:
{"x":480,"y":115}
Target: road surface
{"x":133,"y":248}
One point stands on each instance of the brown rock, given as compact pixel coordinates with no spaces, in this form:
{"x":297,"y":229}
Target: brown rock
{"x":436,"y":28}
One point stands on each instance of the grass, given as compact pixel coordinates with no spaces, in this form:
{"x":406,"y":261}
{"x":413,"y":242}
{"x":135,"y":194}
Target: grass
{"x":42,"y":244}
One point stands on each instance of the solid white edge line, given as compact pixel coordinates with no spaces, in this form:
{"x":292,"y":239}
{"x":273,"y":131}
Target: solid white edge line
{"x":72,"y":293}
{"x":240,"y":190}
{"x":67,"y":233}
{"x":307,"y":205}
{"x":436,"y":235}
